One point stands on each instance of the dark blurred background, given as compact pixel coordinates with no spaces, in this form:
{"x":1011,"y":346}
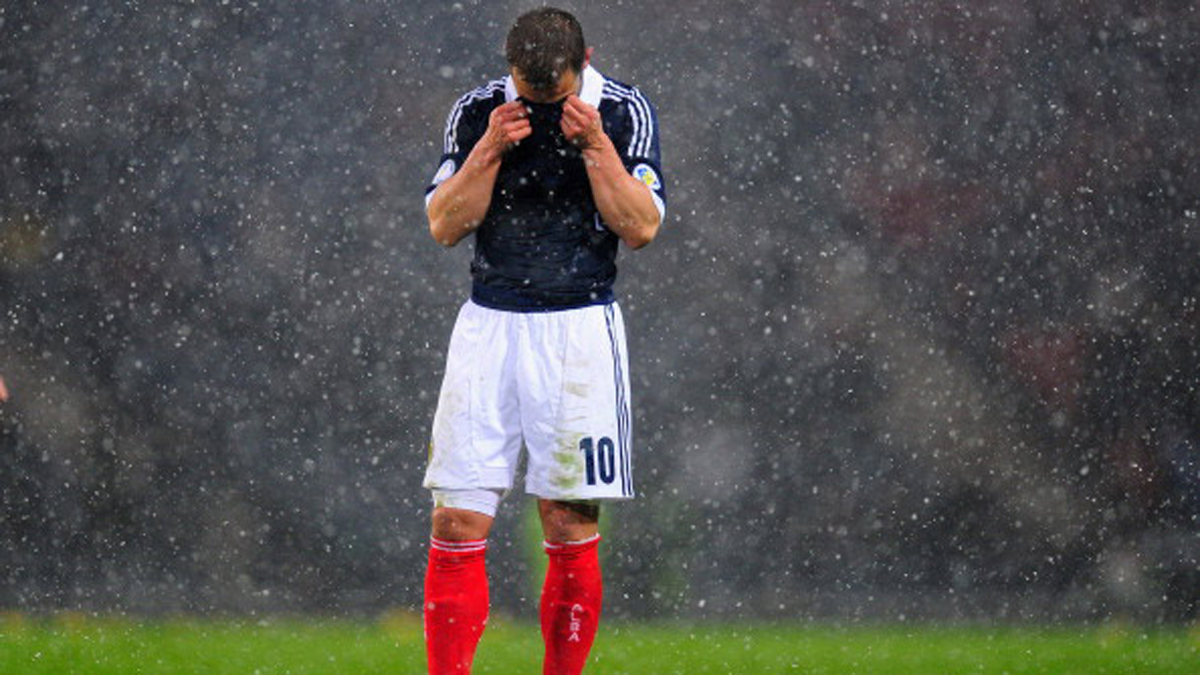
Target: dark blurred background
{"x":918,"y":339}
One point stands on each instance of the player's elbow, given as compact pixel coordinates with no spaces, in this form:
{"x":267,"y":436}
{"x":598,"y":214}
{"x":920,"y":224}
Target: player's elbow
{"x":440,"y":226}
{"x":442,"y":232}
{"x":640,"y":237}
{"x":637,"y":242}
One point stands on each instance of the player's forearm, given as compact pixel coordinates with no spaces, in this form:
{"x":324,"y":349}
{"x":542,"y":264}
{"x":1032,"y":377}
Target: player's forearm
{"x":624,"y":202}
{"x":460,"y":203}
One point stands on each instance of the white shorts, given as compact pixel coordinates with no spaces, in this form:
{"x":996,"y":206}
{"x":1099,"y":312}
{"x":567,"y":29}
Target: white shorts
{"x":556,"y":382}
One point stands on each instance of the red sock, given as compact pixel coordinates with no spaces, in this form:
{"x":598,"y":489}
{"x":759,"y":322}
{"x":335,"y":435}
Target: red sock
{"x":570,"y":605}
{"x":456,"y":604}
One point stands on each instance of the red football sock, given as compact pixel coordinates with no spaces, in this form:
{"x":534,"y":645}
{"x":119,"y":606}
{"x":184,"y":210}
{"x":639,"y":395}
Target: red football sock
{"x":456,"y":604}
{"x":570,"y":605}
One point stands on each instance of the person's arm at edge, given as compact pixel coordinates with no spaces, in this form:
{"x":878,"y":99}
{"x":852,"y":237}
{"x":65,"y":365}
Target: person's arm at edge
{"x":624,"y":202}
{"x":460,"y":203}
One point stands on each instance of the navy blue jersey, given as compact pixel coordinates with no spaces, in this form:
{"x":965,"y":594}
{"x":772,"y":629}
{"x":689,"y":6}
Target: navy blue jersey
{"x":543,"y":244}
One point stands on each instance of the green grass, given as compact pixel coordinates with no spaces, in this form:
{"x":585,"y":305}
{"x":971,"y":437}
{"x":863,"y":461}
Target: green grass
{"x":73,"y":643}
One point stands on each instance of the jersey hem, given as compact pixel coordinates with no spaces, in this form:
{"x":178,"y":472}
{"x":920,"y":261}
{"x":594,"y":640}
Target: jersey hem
{"x":513,"y":301}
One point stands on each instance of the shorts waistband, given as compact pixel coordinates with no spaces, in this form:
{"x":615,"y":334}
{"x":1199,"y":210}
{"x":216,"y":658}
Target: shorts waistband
{"x":513,"y":301}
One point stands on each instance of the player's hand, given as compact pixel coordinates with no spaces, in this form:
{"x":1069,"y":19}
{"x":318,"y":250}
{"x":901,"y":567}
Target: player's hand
{"x":581,"y":124}
{"x":507,"y":125}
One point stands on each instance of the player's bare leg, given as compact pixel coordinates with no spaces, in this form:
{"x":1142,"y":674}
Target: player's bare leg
{"x":456,"y":589}
{"x":451,"y":524}
{"x":568,"y":521}
{"x":571,"y":597}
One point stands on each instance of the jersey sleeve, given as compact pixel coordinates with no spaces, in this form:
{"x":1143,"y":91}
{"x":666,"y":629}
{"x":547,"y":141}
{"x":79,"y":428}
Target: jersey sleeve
{"x":639,"y":148}
{"x":462,"y":132}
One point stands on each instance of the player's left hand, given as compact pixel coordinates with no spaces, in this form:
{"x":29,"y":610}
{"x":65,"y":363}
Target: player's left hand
{"x":581,"y":123}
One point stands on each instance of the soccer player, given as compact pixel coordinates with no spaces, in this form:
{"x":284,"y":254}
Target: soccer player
{"x":549,"y":168}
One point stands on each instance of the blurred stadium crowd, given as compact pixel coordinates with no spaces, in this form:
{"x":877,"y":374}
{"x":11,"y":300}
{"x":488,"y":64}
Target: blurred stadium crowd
{"x":919,"y":337}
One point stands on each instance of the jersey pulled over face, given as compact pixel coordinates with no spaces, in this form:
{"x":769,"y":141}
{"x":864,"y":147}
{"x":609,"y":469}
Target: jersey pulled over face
{"x":543,"y":244}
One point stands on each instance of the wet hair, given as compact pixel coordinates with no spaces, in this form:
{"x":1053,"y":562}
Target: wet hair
{"x":543,"y":43}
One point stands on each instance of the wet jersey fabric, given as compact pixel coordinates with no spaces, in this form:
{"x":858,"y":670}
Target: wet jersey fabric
{"x":543,"y":244}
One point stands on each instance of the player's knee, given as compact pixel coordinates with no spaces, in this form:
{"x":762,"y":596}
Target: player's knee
{"x":460,"y":524}
{"x":568,"y":521}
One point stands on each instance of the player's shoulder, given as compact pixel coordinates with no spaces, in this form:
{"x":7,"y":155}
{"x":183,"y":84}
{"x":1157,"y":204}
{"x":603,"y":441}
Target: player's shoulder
{"x":616,"y":92}
{"x":626,"y":110}
{"x":482,"y":98}
{"x":629,"y":118}
{"x":469,"y":115}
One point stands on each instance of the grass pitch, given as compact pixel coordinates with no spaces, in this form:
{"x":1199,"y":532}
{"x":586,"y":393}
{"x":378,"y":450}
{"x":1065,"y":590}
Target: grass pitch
{"x":67,"y":644}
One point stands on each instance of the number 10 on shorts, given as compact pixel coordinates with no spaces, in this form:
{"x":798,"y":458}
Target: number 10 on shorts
{"x":600,"y":456}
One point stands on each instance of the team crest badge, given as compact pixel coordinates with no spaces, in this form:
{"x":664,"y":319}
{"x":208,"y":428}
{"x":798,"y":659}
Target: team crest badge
{"x":644,"y":173}
{"x":444,"y":171}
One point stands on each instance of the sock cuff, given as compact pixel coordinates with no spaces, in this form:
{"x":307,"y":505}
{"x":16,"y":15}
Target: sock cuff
{"x":468,"y":546}
{"x":571,"y":546}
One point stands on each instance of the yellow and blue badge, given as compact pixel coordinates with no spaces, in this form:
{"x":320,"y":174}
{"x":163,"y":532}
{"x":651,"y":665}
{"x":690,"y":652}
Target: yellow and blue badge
{"x":446,"y":170}
{"x":646,"y":174}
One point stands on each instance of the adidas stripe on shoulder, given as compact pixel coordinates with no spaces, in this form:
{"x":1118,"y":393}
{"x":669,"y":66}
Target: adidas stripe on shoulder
{"x":450,"y":143}
{"x":640,"y":113}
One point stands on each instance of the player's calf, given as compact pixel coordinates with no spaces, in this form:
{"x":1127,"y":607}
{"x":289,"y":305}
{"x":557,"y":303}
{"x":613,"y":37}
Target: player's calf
{"x":456,"y":586}
{"x":571,"y":601}
{"x":456,"y":604}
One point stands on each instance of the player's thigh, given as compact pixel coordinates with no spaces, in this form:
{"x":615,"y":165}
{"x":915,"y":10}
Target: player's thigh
{"x":578,"y":435}
{"x":476,"y":434}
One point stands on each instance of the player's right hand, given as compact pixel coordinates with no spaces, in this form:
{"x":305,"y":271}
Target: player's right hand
{"x":508,"y":125}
